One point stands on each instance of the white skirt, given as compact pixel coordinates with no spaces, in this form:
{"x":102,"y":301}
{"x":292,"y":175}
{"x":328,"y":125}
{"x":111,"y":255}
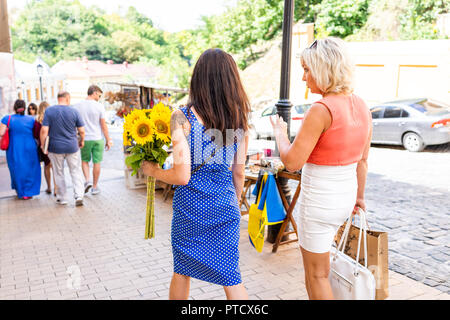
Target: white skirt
{"x":327,"y":197}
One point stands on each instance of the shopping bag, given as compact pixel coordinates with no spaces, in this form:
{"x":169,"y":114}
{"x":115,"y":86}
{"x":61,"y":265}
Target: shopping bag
{"x":4,"y":143}
{"x":256,"y":219}
{"x":268,"y":209}
{"x":273,"y":205}
{"x":349,"y":279}
{"x":377,"y":256}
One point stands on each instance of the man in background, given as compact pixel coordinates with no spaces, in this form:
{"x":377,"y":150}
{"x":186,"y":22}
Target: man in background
{"x":93,"y":114}
{"x":61,"y":124}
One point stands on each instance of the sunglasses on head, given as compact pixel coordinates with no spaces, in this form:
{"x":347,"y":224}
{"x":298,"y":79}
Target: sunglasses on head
{"x":313,"y":45}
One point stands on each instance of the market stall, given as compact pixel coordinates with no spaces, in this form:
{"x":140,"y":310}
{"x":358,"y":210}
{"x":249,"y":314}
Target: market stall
{"x":124,"y":97}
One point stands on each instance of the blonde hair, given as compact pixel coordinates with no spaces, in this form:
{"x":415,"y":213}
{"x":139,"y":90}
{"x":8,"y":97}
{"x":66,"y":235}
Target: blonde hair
{"x":41,"y":110}
{"x":330,"y":65}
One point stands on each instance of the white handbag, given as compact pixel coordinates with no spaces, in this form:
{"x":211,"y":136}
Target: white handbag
{"x":350,"y":280}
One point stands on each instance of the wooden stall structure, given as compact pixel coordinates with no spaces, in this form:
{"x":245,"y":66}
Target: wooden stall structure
{"x":139,"y":95}
{"x":251,"y":178}
{"x":124,"y":97}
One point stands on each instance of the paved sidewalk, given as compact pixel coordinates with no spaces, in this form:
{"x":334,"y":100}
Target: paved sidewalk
{"x":98,"y":252}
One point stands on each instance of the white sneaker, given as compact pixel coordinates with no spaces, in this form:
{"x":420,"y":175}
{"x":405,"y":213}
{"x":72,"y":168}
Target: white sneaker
{"x":78,"y":202}
{"x":95,"y":190}
{"x":61,"y":201}
{"x":87,"y":186}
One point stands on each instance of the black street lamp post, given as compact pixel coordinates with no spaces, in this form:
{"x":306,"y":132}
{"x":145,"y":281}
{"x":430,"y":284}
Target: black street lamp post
{"x":40,"y":71}
{"x":284,"y":105}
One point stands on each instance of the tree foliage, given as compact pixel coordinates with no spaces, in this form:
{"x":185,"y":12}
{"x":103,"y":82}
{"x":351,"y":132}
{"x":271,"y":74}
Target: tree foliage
{"x":64,"y":29}
{"x":340,"y":18}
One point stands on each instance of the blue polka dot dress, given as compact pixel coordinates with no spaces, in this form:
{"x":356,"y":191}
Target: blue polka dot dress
{"x":206,"y":214}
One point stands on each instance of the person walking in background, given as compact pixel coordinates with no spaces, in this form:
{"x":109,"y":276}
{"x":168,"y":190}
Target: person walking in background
{"x":206,"y":213}
{"x":32,"y":110}
{"x":22,"y":155}
{"x":43,"y":157}
{"x":61,"y":124}
{"x":93,"y":114}
{"x":331,"y":148}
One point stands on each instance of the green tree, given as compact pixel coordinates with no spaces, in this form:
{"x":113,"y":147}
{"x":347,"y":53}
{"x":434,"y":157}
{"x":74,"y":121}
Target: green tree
{"x":418,"y":20}
{"x":129,"y":46}
{"x":340,"y":18}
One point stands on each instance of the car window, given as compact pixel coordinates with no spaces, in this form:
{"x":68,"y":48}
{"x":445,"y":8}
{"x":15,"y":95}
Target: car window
{"x":269,"y":112}
{"x":376,"y":112}
{"x":418,"y":107}
{"x":392,"y":112}
{"x":405,"y":114}
{"x":430,"y":108}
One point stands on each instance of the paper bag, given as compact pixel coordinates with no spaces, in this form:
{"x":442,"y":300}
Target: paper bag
{"x":377,"y":256}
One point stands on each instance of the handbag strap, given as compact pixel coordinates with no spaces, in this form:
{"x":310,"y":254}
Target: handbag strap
{"x":9,"y":119}
{"x":362,"y":229}
{"x":203,"y":163}
{"x":261,"y":187}
{"x":344,"y":237}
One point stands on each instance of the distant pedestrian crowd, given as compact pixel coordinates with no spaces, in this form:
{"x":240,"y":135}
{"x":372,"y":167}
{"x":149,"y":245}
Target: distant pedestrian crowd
{"x":56,"y":135}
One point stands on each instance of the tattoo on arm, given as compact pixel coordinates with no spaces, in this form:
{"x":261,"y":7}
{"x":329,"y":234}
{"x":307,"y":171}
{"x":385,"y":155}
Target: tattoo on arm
{"x":179,"y":121}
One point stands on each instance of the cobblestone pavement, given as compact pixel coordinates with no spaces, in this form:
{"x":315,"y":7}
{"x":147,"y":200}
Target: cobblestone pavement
{"x":98,"y":252}
{"x":44,"y":246}
{"x":411,"y":201}
{"x":408,"y":195}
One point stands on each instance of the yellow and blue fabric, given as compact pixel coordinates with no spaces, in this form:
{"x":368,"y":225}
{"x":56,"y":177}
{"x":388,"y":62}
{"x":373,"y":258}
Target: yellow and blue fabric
{"x":268,"y":209}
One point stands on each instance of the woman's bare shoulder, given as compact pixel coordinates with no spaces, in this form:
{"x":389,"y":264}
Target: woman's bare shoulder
{"x":178,"y":120}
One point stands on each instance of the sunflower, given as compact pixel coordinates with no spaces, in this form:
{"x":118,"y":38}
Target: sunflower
{"x":130,"y":119}
{"x":142,"y":131}
{"x":160,"y":108}
{"x":160,"y":118}
{"x":126,"y":139}
{"x":147,"y":112}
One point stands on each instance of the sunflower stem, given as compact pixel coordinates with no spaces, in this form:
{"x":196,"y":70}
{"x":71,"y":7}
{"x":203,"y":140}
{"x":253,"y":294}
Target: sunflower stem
{"x":150,"y":209}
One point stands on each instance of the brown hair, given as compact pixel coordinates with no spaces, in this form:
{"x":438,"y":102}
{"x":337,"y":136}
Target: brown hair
{"x":217,"y":93}
{"x":19,"y":107}
{"x":63,"y":94}
{"x":92,"y":89}
{"x":31,"y":106}
{"x":40,"y":114}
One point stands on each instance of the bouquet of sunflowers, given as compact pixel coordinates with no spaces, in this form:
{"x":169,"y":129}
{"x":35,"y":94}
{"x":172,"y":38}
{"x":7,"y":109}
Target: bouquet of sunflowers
{"x":147,"y":131}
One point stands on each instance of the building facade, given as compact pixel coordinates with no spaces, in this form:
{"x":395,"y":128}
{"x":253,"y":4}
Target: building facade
{"x":36,"y":88}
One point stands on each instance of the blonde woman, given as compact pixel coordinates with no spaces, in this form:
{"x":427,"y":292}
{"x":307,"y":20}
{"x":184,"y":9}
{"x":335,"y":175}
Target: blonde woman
{"x":43,"y":157}
{"x":331,"y":148}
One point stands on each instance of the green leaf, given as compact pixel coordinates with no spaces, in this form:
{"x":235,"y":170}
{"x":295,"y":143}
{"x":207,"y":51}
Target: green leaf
{"x":155,"y":153}
{"x":134,"y":159}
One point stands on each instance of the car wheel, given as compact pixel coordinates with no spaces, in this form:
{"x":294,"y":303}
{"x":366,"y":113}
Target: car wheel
{"x":413,"y":142}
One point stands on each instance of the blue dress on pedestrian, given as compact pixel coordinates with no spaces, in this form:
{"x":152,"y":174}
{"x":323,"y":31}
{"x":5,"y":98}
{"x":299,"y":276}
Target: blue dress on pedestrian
{"x":22,"y":156}
{"x":206,"y":214}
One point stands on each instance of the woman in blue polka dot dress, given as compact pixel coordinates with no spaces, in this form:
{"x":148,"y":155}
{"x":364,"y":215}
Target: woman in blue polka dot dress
{"x":209,"y":148}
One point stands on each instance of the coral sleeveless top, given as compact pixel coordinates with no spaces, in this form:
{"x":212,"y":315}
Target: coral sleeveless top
{"x":344,"y":141}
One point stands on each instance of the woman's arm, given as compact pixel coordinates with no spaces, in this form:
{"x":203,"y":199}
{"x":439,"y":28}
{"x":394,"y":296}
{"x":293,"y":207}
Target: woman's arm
{"x":2,"y":129}
{"x":294,"y":156}
{"x":361,"y":173}
{"x":180,"y":173}
{"x":43,"y":135}
{"x":238,"y":167}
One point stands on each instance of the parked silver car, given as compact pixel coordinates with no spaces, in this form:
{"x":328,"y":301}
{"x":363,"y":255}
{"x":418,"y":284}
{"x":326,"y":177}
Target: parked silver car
{"x":261,"y":122}
{"x":414,"y":123}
